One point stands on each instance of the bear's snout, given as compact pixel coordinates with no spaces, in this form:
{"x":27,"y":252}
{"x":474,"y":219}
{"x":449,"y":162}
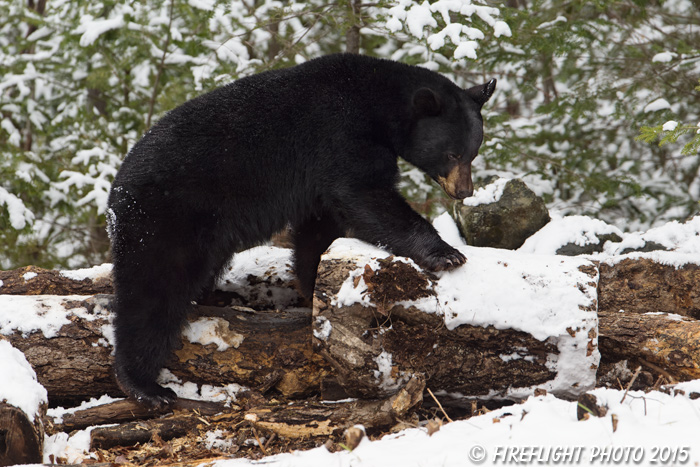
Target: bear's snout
{"x":458,"y":183}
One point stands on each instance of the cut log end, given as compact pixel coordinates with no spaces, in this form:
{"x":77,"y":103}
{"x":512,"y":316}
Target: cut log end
{"x":21,"y":440}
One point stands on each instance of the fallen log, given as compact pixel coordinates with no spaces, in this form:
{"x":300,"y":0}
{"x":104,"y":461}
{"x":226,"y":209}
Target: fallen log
{"x":292,"y":421}
{"x":664,"y":345}
{"x":379,"y":321}
{"x":143,"y":431}
{"x":32,"y":280}
{"x":642,"y":285}
{"x":21,"y":440}
{"x":127,"y":410}
{"x":68,"y":340}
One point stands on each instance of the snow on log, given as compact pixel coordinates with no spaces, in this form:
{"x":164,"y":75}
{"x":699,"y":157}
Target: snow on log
{"x":67,"y":340}
{"x":501,"y":326}
{"x":23,"y":403}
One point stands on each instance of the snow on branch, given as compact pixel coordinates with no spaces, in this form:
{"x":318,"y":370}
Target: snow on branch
{"x":433,"y":23}
{"x":20,"y":216}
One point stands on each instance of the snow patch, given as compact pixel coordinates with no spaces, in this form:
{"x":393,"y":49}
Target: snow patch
{"x":501,"y":28}
{"x":385,"y":374}
{"x":670,"y":125}
{"x":491,"y":193}
{"x":272,"y":264}
{"x":664,"y":57}
{"x":560,"y":231}
{"x":658,"y":104}
{"x":217,"y":440}
{"x":94,"y":273}
{"x":92,"y":29}
{"x":206,"y":392}
{"x":18,"y":384}
{"x":20,"y":216}
{"x":448,"y":230}
{"x":42,"y":313}
{"x":323,"y":328}
{"x":71,"y":449}
{"x":206,"y":5}
{"x":27,"y":276}
{"x":208,"y":330}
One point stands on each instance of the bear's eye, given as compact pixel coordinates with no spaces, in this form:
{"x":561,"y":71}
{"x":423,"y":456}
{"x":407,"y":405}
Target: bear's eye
{"x":453,"y":156}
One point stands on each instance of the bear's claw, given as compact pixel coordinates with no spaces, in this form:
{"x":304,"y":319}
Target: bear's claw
{"x":443,"y":261}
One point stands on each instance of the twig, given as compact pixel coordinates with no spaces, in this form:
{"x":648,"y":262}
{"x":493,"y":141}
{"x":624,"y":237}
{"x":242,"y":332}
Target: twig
{"x":660,"y":370}
{"x":262,"y":447}
{"x":629,"y":385}
{"x":439,"y":405}
{"x":270,"y":439}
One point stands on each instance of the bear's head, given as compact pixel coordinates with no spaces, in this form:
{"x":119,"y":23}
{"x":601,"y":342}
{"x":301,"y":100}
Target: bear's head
{"x":446,"y":134}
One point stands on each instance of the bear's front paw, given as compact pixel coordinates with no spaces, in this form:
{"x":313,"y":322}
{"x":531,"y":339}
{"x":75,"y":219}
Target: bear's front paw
{"x":443,"y":260}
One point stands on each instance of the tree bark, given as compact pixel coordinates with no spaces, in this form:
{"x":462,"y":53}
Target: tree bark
{"x":642,"y":286}
{"x":127,"y":410}
{"x":352,"y":36}
{"x":663,"y":345}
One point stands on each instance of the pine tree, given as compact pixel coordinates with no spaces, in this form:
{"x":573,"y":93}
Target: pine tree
{"x":81,"y":81}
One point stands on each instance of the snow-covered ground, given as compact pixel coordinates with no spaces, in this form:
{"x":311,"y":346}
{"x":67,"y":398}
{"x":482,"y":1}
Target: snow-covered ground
{"x":652,"y":428}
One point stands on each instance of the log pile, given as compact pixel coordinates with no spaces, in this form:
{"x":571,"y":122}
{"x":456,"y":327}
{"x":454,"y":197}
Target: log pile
{"x":383,"y":347}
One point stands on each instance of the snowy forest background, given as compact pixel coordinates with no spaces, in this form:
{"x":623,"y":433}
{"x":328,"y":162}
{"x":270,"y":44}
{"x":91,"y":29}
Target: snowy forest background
{"x":589,"y":95}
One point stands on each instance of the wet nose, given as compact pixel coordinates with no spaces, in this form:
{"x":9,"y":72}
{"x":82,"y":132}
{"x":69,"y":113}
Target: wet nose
{"x":464,"y":193}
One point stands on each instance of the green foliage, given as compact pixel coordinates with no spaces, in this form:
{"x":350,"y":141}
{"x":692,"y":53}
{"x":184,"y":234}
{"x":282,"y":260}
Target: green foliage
{"x":81,"y":81}
{"x":580,"y":79}
{"x":670,"y":132}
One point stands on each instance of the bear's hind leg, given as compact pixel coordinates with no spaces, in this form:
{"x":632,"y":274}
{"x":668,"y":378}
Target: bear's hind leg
{"x":311,"y":238}
{"x":155,"y":285}
{"x":147,"y":330}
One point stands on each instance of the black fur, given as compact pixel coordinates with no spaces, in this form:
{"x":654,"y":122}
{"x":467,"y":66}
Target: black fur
{"x":313,"y":146}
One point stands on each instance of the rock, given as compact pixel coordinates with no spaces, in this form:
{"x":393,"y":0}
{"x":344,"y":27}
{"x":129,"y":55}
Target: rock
{"x":572,"y":249}
{"x":502,"y":214}
{"x":648,"y":246}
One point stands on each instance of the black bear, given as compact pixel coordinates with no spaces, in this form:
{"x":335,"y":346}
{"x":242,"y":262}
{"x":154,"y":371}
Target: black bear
{"x":313,"y":147}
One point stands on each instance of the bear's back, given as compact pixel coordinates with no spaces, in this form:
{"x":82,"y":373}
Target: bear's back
{"x":286,"y":117}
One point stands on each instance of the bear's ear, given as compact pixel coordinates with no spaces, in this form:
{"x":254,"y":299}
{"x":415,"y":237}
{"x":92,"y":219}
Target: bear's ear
{"x":426,"y":103}
{"x":482,"y":93}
